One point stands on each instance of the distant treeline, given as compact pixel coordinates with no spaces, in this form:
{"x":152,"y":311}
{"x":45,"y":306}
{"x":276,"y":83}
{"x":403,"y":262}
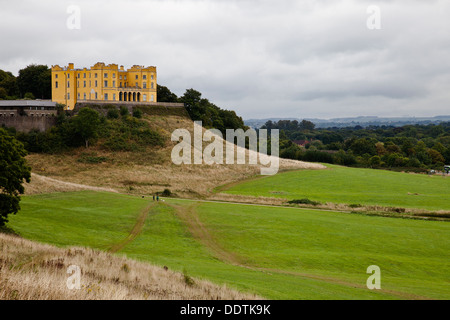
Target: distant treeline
{"x":418,"y":147}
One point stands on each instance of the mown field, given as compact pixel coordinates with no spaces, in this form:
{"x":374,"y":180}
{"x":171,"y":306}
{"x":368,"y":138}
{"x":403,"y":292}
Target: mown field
{"x":277,"y":253}
{"x":352,"y":186}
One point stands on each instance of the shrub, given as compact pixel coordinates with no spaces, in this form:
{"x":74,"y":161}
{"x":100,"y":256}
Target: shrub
{"x":137,"y":113}
{"x":304,"y":201}
{"x":113,"y":114}
{"x":29,"y":96}
{"x":166,"y":193}
{"x":187,"y":279}
{"x":91,"y":158}
{"x":124,"y":111}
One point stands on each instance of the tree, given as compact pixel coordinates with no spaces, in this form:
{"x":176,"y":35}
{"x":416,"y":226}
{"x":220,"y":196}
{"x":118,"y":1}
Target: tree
{"x":307,"y":125}
{"x":362,"y":146}
{"x":13,"y":171}
{"x":87,"y":123}
{"x":3,"y":93}
{"x":37,"y":80}
{"x":211,"y":115}
{"x":436,"y":156}
{"x":165,"y":95}
{"x":191,"y":100}
{"x":9,"y":83}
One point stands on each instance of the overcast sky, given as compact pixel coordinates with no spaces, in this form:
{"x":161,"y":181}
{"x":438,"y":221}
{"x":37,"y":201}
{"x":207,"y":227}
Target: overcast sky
{"x":305,"y":59}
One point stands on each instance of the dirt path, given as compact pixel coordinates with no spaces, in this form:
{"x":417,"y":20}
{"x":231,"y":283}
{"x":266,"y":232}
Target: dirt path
{"x":199,"y":231}
{"x":70,"y":185}
{"x":137,"y":229}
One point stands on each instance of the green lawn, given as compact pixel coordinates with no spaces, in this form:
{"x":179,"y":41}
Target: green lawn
{"x":353,"y":186}
{"x":305,"y":254}
{"x":92,"y":219}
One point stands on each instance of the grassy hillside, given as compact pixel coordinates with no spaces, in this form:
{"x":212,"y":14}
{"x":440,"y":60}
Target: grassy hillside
{"x":279,"y":253}
{"x":143,"y":169}
{"x":352,"y":186}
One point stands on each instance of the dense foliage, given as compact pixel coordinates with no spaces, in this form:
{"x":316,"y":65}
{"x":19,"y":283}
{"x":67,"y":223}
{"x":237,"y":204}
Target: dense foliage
{"x":120,"y":132}
{"x":201,"y":109}
{"x":13,"y":172}
{"x":412,"y":146}
{"x":33,"y":82}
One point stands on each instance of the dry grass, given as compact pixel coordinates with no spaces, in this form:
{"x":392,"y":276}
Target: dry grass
{"x":33,"y":271}
{"x":144,"y":172}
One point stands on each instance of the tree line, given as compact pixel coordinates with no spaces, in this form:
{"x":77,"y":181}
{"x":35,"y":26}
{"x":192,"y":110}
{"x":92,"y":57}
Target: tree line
{"x":201,"y":109}
{"x":419,"y":147}
{"x":33,"y":82}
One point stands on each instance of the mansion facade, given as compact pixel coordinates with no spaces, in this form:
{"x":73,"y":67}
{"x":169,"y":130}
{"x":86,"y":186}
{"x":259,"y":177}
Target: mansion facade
{"x":103,"y":83}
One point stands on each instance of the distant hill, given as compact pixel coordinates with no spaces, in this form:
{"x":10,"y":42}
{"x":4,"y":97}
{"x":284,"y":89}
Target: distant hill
{"x":363,"y":121}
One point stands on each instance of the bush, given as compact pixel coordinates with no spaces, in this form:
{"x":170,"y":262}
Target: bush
{"x":113,"y":114}
{"x":124,"y":111}
{"x":29,"y":96}
{"x":304,"y":201}
{"x":137,"y":113}
{"x":91,"y":158}
{"x":317,"y":156}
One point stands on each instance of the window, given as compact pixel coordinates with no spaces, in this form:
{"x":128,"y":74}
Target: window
{"x":68,"y":76}
{"x":136,"y":84}
{"x":144,"y":97}
{"x":120,"y":77}
{"x":114,"y":96}
{"x":78,"y":84}
{"x":114,"y":84}
{"x":95,"y":75}
{"x":96,"y":96}
{"x":106,"y":96}
{"x":84,"y":84}
{"x":152,"y":85}
{"x":68,"y":84}
{"x":121,"y":84}
{"x":105,"y":75}
{"x":106,"y":83}
{"x":78,"y":95}
{"x":144,"y":76}
{"x":152,"y":98}
{"x":125,"y":78}
{"x":144,"y":85}
{"x":84,"y":75}
{"x":152,"y":77}
{"x":56,"y":76}
{"x":95,"y":83}
{"x":84,"y":96}
{"x":137,"y":77}
{"x":78,"y":75}
{"x":68,"y":96}
{"x":56,"y":84}
{"x":114,"y":75}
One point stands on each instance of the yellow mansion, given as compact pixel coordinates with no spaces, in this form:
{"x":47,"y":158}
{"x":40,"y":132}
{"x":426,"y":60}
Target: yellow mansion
{"x":101,"y":82}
